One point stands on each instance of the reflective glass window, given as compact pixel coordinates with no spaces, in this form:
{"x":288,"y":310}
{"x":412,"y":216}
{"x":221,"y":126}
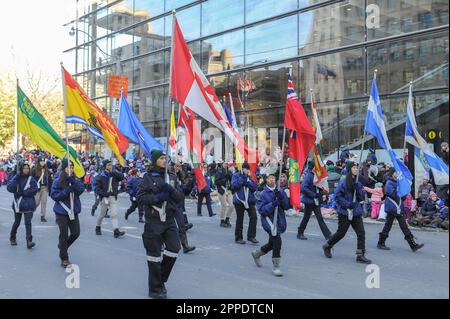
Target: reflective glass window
{"x":260,"y":9}
{"x":220,"y":15}
{"x":283,"y":41}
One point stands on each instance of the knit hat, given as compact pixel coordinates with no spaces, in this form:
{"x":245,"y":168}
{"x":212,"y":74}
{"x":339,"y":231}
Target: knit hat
{"x":245,"y":165}
{"x":432,"y":194}
{"x":311,"y":165}
{"x":21,"y":165}
{"x":105,"y":162}
{"x":155,"y":155}
{"x":378,"y":185}
{"x":64,"y":163}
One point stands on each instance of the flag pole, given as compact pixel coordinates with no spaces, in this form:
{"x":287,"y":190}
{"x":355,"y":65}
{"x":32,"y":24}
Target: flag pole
{"x":404,"y":142}
{"x":63,"y":81}
{"x":16,"y":126}
{"x":166,"y":174}
{"x":280,"y":163}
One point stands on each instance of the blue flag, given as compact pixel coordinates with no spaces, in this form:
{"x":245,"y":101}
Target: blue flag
{"x":376,"y":127}
{"x":228,"y":113}
{"x":130,"y":126}
{"x":430,"y":160}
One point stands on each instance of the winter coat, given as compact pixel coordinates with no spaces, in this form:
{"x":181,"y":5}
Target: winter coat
{"x":223,"y":180}
{"x":24,"y":197}
{"x":240,"y":182}
{"x":150,"y":187}
{"x":391,"y":195}
{"x":132,"y":185}
{"x":266,"y":209}
{"x":344,"y":198}
{"x":102,"y":183}
{"x":308,"y":191}
{"x":62,"y":195}
{"x":377,"y":193}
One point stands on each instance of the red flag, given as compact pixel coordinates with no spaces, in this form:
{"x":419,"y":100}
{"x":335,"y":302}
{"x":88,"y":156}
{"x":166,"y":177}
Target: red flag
{"x":301,"y":141}
{"x":194,"y":144}
{"x":190,"y":87}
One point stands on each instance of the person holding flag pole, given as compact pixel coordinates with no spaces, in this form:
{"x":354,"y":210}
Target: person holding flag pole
{"x":393,"y":204}
{"x":161,"y":198}
{"x":311,"y":192}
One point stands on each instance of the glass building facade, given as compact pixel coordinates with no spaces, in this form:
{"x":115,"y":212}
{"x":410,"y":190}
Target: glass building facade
{"x":246,"y":47}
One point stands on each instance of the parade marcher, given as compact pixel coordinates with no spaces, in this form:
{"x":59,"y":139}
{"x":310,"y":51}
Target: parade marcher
{"x":107,"y":188}
{"x":41,"y":174}
{"x":205,"y":193}
{"x":66,"y":192}
{"x":160,"y":227}
{"x":180,"y":216}
{"x":393,"y":206}
{"x":24,"y":188}
{"x":223,"y":185}
{"x":244,"y":199}
{"x":311,"y":197}
{"x":268,"y":201}
{"x":345,"y":202}
{"x":132,"y":188}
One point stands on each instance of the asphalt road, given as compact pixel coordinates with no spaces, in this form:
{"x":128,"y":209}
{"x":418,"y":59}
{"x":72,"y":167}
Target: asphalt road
{"x":218,"y":268}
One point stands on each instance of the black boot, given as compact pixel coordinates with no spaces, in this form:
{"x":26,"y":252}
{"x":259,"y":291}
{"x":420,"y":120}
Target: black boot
{"x":381,"y":242}
{"x":301,"y":236}
{"x":414,"y":246}
{"x":185,"y":244}
{"x":30,"y":243}
{"x":126,"y":215}
{"x":118,"y":233}
{"x":227,"y":222}
{"x":98,"y":230}
{"x":141,"y":219}
{"x":92,"y":212}
{"x":13,"y":241}
{"x":361,"y":258}
{"x":327,"y":250}
{"x":188,"y":226}
{"x":43,"y":220}
{"x":222,"y":223}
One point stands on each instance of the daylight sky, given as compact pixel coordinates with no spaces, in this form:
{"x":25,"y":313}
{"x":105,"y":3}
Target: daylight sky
{"x":32,"y":35}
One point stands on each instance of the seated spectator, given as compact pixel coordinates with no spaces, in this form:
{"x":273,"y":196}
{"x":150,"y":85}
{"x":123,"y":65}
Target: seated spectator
{"x":424,"y":191}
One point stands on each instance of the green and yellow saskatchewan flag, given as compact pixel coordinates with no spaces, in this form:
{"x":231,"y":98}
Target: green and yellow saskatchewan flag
{"x":31,"y":123}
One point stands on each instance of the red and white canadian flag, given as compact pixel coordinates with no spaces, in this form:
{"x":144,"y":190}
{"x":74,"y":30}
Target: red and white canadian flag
{"x":189,"y":87}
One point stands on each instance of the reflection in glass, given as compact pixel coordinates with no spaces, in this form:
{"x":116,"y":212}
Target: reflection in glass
{"x":224,"y":52}
{"x":220,"y":15}
{"x":260,"y":9}
{"x":283,"y":41}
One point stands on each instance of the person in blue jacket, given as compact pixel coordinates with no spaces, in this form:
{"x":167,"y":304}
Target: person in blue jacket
{"x":346,"y":202}
{"x":269,"y":199}
{"x":244,"y":199}
{"x":132,"y":188}
{"x":206,"y":193}
{"x":311,"y":197}
{"x":393,"y":206}
{"x":66,"y":192}
{"x":24,"y":187}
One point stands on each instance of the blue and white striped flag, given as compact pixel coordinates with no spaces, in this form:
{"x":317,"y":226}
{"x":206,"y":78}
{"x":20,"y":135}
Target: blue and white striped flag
{"x":375,"y":126}
{"x":412,"y":136}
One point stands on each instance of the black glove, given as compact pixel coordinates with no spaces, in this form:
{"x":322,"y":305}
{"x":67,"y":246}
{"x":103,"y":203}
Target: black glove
{"x":71,"y":179}
{"x":276,"y":201}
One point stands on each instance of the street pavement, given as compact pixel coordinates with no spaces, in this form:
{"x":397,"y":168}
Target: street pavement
{"x":218,"y":268}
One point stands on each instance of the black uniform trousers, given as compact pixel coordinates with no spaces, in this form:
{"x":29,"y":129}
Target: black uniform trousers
{"x":309,"y":209}
{"x":401,"y":222}
{"x":134,"y":205}
{"x":27,"y":220}
{"x":65,"y":241}
{"x":200,"y":203}
{"x":251,"y":232}
{"x":273,"y":245}
{"x":343,"y":225}
{"x":156,"y":234}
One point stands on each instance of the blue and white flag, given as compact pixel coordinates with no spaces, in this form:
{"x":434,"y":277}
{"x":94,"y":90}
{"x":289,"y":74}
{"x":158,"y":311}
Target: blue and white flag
{"x":376,"y":127}
{"x":430,"y":160}
{"x":130,"y":126}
